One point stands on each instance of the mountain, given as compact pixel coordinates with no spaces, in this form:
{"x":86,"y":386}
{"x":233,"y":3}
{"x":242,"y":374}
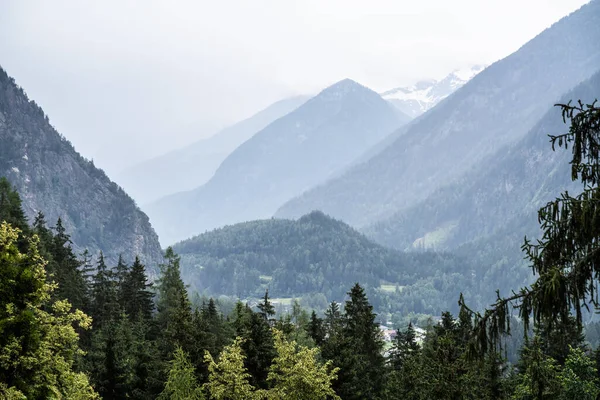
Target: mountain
{"x":511,"y":184}
{"x":192,"y":166}
{"x":52,"y":177}
{"x":289,"y":156}
{"x":486,"y":213}
{"x":316,"y":257}
{"x":416,"y":99}
{"x":497,"y":107}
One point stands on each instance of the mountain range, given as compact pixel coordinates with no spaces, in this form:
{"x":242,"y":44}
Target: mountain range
{"x":288,"y":157}
{"x":495,"y":108}
{"x":52,"y":177}
{"x":510,"y":184}
{"x":417,"y":99}
{"x":192,"y":166}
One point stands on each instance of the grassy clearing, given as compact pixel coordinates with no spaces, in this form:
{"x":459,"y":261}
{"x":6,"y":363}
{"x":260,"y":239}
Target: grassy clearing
{"x":437,"y":237}
{"x":286,"y":301}
{"x":389,"y":288}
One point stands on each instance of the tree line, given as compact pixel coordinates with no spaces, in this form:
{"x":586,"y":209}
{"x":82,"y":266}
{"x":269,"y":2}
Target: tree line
{"x":73,"y":328}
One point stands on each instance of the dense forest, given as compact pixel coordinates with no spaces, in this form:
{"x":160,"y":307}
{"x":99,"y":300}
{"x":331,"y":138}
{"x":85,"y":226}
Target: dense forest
{"x":316,"y":259}
{"x":76,"y":328}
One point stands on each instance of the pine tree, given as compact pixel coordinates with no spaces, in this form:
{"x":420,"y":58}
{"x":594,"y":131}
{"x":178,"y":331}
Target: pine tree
{"x":105,"y":306}
{"x":566,"y":259}
{"x":296,"y":374}
{"x":357,"y":349}
{"x":181,"y":384}
{"x":228,"y":377}
{"x":174,"y":316}
{"x":257,"y":344}
{"x":66,"y":268}
{"x":333,"y":318}
{"x":404,"y":348}
{"x":266,"y":307}
{"x":315,"y":329}
{"x":111,"y":360}
{"x":136,"y":297}
{"x":38,"y":340}
{"x":11,"y":210}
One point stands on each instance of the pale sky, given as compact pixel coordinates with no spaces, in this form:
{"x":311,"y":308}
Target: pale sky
{"x":127,"y":80}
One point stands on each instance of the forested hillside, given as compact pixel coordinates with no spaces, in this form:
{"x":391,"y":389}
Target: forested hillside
{"x":294,"y":153}
{"x":498,"y":106}
{"x":318,"y":258}
{"x":513,"y":183}
{"x":486,"y":213}
{"x":52,"y":177}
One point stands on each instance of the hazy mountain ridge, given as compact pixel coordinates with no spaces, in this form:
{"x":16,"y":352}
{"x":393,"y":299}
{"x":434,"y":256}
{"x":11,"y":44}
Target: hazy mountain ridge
{"x":193,"y":165}
{"x":417,"y":99}
{"x":52,"y":177}
{"x":497,"y":107}
{"x":289,"y":156}
{"x":510,"y":184}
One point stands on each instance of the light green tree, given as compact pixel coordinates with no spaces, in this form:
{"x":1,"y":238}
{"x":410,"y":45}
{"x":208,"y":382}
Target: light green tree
{"x":579,"y":377}
{"x":228,"y":378}
{"x":297,"y":375}
{"x":38,"y":339}
{"x":181,"y":384}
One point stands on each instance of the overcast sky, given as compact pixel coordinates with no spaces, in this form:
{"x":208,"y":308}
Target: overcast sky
{"x":126,"y":80}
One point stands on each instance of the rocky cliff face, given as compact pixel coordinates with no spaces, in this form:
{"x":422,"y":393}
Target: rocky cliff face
{"x":52,"y":177}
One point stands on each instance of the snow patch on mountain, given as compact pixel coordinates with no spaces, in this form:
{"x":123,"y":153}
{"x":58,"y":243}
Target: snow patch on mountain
{"x":416,"y":99}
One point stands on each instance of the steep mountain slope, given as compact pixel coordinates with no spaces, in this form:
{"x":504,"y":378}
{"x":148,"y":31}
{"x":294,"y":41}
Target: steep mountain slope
{"x":486,"y":214}
{"x":289,"y":156}
{"x":513,"y":183}
{"x":424,"y":95}
{"x":193,"y":165}
{"x":498,"y":106}
{"x":313,"y":255}
{"x":53,"y":178}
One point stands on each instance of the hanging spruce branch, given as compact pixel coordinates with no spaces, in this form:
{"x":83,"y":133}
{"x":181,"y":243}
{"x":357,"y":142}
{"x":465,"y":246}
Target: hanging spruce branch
{"x":566,"y":259}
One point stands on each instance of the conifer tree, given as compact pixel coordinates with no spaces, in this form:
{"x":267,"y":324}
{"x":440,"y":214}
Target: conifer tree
{"x":38,"y":340}
{"x":105,"y":303}
{"x":357,"y":349}
{"x":136,"y":297}
{"x":228,"y":377}
{"x":316,"y":330}
{"x":266,"y":307}
{"x":296,"y":374}
{"x":11,"y":210}
{"x":174,"y":317}
{"x":257,"y":344}
{"x":111,"y":359}
{"x":181,"y":384}
{"x":404,"y":348}
{"x":66,"y":269}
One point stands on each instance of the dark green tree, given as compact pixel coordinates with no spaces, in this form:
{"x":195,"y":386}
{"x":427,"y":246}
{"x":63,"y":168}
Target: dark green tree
{"x":316,"y":329}
{"x":11,"y":210}
{"x":566,"y":259}
{"x":357,"y":349}
{"x":105,"y":305}
{"x":174,"y":317}
{"x":258,"y":344}
{"x":266,"y":307}
{"x":136,"y":296}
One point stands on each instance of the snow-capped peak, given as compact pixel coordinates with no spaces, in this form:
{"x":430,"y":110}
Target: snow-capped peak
{"x":465,"y":74}
{"x":416,"y":99}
